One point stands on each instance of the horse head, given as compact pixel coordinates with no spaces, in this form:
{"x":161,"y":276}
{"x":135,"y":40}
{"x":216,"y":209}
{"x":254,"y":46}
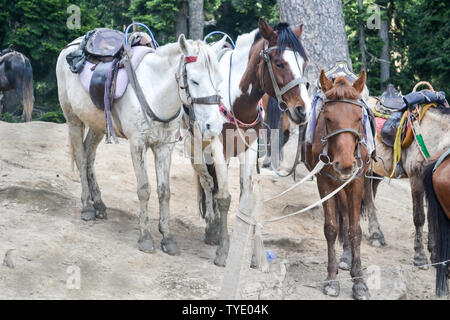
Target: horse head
{"x":281,"y":68}
{"x":201,"y":78}
{"x":343,"y":127}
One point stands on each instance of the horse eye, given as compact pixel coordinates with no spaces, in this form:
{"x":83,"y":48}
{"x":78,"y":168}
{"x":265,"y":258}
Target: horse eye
{"x":307,"y":86}
{"x":194,"y":82}
{"x":279,"y":64}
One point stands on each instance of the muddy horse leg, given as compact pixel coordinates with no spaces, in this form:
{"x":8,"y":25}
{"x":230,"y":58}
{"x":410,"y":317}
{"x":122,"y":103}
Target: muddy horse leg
{"x":90,"y":146}
{"x":341,"y":210}
{"x":163,"y":154}
{"x":76,"y":133}
{"x":417,"y":192}
{"x":376,"y":236}
{"x":332,"y":287}
{"x":354,"y":196}
{"x":138,"y":156}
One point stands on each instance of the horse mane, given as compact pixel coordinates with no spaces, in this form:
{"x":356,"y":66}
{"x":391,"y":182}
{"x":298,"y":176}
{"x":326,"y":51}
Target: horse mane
{"x":288,"y":38}
{"x":342,"y":89}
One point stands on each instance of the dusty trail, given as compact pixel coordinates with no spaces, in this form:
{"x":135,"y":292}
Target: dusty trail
{"x":40,"y":221}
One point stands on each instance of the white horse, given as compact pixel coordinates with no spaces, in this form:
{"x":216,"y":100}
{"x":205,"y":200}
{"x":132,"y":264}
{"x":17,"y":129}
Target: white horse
{"x":160,"y":76}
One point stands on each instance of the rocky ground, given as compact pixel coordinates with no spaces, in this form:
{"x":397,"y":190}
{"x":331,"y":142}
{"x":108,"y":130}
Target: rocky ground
{"x":45,"y":245}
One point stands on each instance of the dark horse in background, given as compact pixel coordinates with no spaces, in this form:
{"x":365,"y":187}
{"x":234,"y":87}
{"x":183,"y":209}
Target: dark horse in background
{"x":436,"y":182}
{"x":16,"y":74}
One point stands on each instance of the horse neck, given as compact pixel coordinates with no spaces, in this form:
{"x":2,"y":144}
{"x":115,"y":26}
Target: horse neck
{"x":156,"y":75}
{"x":245,"y":91}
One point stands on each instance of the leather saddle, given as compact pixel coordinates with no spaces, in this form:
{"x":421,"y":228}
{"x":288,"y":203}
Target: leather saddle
{"x":105,"y":44}
{"x":390,"y":101}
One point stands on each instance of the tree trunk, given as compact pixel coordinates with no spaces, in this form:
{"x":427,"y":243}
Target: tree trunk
{"x":196,"y":19}
{"x":182,"y":20}
{"x":362,"y":37}
{"x":323,"y":37}
{"x":384,"y":55}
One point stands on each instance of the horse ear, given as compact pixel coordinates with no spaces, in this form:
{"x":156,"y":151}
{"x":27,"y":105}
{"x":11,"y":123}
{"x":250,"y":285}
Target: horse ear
{"x":266,"y":30}
{"x":360,"y":82}
{"x":325,"y":83}
{"x":183,"y":44}
{"x":218,"y":46}
{"x":299,"y":30}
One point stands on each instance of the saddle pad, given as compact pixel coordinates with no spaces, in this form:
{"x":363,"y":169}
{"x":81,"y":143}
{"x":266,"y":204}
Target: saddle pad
{"x":379,"y":122}
{"x":122,"y":78}
{"x":314,"y":115}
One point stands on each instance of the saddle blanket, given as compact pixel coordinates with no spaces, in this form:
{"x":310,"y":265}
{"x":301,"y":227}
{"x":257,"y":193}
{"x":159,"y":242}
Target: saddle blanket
{"x":138,"y":53}
{"x":317,"y":104}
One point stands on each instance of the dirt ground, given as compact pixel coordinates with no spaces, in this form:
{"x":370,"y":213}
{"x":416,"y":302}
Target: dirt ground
{"x":47,"y":245}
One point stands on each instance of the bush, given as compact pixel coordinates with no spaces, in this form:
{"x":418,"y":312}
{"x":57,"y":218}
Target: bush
{"x":7,"y":117}
{"x":52,"y":116}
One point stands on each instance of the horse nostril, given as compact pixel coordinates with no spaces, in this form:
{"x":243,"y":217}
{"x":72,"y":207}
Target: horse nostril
{"x":300,"y":112}
{"x":208,"y":126}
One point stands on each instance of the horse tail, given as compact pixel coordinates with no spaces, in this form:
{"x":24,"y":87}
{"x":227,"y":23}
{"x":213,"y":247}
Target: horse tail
{"x":202,"y":201}
{"x":27,"y":90}
{"x":441,"y":226}
{"x":274,"y":120}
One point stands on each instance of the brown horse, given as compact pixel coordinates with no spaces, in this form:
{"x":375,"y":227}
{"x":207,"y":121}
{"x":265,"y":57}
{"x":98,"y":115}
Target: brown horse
{"x":267,"y":60}
{"x":436,"y":182}
{"x":338,"y":137}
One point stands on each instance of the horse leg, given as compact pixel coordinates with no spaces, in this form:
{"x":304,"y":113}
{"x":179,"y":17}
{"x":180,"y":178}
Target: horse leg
{"x":163,"y":155}
{"x":420,"y":259}
{"x":90,"y":146}
{"x":355,"y":196}
{"x":376,"y":236}
{"x":345,"y":261}
{"x":332,"y":287}
{"x":76,"y":133}
{"x":138,"y":156}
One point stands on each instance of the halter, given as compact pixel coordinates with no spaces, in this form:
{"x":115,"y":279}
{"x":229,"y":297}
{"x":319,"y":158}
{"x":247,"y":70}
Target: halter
{"x":324,"y":157}
{"x":278,"y":92}
{"x":189,"y":106}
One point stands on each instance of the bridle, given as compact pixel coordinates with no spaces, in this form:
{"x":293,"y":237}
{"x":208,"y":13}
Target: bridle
{"x":324,"y":156}
{"x":189,"y":106}
{"x":265,"y":55}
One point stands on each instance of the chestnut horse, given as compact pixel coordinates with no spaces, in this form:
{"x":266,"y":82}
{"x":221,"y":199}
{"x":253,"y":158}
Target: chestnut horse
{"x":338,"y":137}
{"x":267,"y":60}
{"x":436,"y":182}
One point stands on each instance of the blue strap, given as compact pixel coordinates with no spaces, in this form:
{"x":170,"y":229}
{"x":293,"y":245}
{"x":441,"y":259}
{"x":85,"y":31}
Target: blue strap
{"x":155,"y":44}
{"x":219,"y":32}
{"x":441,"y":159}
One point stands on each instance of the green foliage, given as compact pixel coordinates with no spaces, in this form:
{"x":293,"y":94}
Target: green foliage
{"x":419,"y":34}
{"x":52,"y":116}
{"x":7,"y":117}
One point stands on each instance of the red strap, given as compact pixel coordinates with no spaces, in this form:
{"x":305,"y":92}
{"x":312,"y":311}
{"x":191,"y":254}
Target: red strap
{"x":191,"y":59}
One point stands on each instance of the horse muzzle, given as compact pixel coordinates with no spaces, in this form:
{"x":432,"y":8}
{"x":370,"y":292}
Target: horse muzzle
{"x":298,"y":115}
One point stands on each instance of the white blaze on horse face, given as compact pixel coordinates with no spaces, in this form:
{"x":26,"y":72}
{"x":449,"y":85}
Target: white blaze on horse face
{"x":296,"y":62}
{"x":203,"y":79}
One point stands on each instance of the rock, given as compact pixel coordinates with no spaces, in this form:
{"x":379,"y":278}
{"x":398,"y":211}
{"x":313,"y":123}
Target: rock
{"x":8,"y":260}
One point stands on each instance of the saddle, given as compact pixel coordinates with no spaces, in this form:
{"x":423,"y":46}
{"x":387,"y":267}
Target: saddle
{"x":391,"y":101}
{"x":102,"y":50}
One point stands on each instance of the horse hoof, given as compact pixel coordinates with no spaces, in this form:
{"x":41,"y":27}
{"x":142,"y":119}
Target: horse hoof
{"x":344,"y":264}
{"x":253,"y":263}
{"x":169,"y":246}
{"x":101,"y":215}
{"x":377,"y":240}
{"x":211,"y":239}
{"x":88,"y":214}
{"x":332,"y":289}
{"x":360,"y":291}
{"x":220,"y":261}
{"x":146,"y":245}
{"x":421,"y":261}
